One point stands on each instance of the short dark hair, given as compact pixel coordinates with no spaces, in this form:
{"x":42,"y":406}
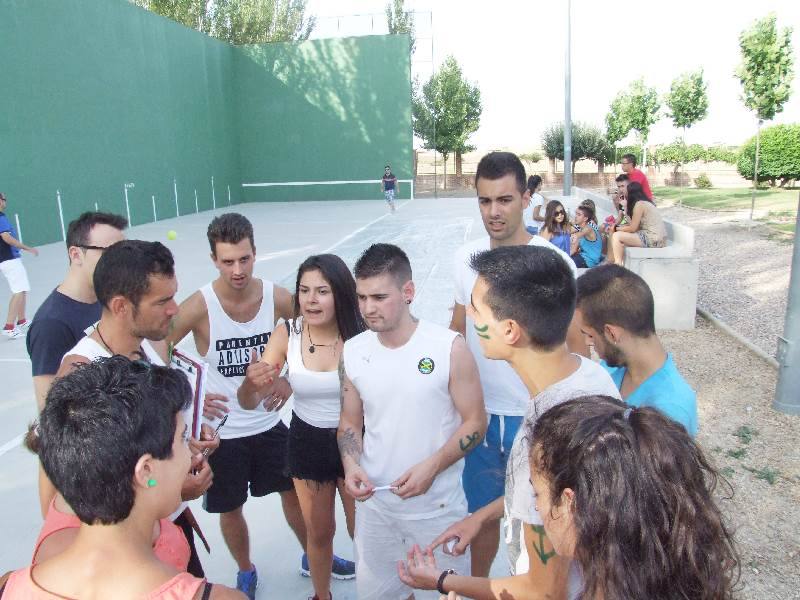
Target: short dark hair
{"x":125,"y":269}
{"x":334,"y":270}
{"x":79,"y":229}
{"x":534,"y":181}
{"x":384,"y":258}
{"x":613,"y":295}
{"x":588,"y":210}
{"x":532,"y":285}
{"x":98,"y":421}
{"x":630,"y":157}
{"x":230,"y":228}
{"x":642,"y":487}
{"x":622,"y":177}
{"x":499,"y":164}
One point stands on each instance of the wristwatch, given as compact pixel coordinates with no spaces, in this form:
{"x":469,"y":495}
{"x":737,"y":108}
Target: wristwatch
{"x":440,"y":583}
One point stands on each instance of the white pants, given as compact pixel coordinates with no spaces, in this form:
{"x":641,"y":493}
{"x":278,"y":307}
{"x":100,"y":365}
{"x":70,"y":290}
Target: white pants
{"x":381,"y":541}
{"x":16,"y":275}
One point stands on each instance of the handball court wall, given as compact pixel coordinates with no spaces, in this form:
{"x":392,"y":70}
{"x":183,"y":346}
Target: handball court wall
{"x":102,"y":94}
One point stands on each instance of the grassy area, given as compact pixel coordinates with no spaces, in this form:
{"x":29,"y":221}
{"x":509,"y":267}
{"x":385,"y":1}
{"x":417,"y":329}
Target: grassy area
{"x":775,"y":208}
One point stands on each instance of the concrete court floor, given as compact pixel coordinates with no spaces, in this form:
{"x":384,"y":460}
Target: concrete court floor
{"x":428,"y":230}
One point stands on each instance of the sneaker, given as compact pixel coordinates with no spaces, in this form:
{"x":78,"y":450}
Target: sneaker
{"x":13,"y":333}
{"x":247,"y":582}
{"x":24,"y":325}
{"x":341,"y":568}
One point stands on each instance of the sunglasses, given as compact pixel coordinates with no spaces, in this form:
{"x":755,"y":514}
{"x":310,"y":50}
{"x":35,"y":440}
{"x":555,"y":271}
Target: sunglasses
{"x":87,"y":247}
{"x":559,"y":212}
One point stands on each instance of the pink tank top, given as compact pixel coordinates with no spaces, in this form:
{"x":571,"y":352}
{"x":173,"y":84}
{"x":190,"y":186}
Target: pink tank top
{"x":171,"y":547}
{"x":21,"y":586}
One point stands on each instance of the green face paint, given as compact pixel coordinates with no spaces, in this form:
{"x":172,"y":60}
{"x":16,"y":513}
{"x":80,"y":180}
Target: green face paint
{"x":482,"y":331}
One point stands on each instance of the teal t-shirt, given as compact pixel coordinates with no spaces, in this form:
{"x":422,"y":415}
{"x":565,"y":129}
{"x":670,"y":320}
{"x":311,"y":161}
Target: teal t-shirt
{"x":665,"y":390}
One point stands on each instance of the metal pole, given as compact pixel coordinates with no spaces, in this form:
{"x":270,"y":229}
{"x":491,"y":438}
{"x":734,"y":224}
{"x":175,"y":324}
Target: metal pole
{"x":787,"y":398}
{"x":755,"y":170}
{"x":435,"y":167}
{"x":568,"y":108}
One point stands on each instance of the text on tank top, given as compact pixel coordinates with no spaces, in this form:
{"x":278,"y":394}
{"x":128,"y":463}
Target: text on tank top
{"x":316,"y":393}
{"x":231,"y":346}
{"x":408,"y":415}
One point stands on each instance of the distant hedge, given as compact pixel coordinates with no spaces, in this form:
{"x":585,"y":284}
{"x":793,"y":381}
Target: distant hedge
{"x":779,"y":157}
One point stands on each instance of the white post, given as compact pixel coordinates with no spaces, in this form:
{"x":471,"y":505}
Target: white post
{"x":61,"y":215}
{"x":175,"y":187}
{"x":229,"y":195}
{"x":213,"y":194}
{"x":155,"y":216}
{"x":96,"y":208}
{"x":127,"y":205}
{"x":196,"y":207}
{"x":412,"y":189}
{"x":19,"y":229}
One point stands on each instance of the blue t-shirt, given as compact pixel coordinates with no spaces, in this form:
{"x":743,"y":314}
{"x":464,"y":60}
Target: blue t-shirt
{"x":665,"y":390}
{"x":7,"y":251}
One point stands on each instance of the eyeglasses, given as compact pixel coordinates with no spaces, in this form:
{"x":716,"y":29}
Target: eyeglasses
{"x":625,"y":163}
{"x":87,"y":247}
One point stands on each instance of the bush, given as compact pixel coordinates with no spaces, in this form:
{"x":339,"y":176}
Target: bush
{"x":702,"y":182}
{"x":779,"y":156}
{"x":722,"y":154}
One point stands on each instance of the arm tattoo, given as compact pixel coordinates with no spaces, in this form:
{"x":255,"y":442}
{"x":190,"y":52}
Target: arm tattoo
{"x":538,"y":545}
{"x":348,"y":444}
{"x":468,"y":442}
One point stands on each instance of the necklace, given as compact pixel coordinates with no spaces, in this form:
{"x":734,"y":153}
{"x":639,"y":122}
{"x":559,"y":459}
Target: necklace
{"x":140,"y":351}
{"x":313,"y":347}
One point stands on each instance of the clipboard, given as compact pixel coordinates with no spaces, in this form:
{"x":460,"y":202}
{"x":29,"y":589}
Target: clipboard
{"x":196,"y":371}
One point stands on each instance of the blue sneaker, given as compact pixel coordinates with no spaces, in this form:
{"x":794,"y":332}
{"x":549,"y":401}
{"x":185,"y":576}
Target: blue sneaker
{"x":247,"y":582}
{"x":341,"y":568}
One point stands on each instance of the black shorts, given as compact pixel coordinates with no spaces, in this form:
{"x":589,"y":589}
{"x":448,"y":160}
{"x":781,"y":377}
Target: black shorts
{"x":313,"y":452}
{"x":579,"y":261}
{"x":256,"y":460}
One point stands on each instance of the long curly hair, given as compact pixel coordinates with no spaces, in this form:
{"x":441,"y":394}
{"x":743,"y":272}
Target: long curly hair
{"x":645,"y":519}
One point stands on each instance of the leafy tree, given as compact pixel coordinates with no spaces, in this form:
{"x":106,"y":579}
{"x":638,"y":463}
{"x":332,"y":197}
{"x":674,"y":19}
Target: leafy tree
{"x":399,"y":20}
{"x":239,"y":21}
{"x":587,"y":142}
{"x":780,"y":155}
{"x":643,"y":108}
{"x":687,"y":102}
{"x":766,"y":73}
{"x":724,"y":154}
{"x":617,"y":122}
{"x":447,"y":111}
{"x":531,"y":157}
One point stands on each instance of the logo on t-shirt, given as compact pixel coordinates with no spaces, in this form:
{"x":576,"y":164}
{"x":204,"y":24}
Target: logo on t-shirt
{"x":425,"y":366}
{"x":236,"y":354}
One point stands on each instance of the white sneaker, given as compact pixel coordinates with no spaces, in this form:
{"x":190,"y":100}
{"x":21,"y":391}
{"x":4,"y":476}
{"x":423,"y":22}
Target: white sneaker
{"x":24,"y":326}
{"x":13,"y":333}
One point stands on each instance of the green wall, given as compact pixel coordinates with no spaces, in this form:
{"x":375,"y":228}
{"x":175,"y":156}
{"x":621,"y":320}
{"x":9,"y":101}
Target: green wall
{"x":101,"y":93}
{"x":324,"y":110}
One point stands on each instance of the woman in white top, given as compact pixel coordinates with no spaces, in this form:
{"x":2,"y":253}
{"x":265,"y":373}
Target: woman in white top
{"x":535,"y":216}
{"x":326,"y":315}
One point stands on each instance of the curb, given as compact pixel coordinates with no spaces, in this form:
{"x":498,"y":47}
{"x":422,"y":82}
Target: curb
{"x":726,"y":329}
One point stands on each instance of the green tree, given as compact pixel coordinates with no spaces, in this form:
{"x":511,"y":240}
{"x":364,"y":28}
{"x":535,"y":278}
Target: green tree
{"x":399,"y":20}
{"x":643,"y":108}
{"x":766,"y":74}
{"x":239,"y":21}
{"x":687,"y":101}
{"x":587,"y":142}
{"x":780,"y":155}
{"x":447,"y":111}
{"x":617,"y":122}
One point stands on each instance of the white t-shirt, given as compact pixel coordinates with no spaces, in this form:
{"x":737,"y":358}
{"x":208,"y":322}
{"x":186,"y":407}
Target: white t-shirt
{"x":316,"y":393}
{"x":590,"y":379}
{"x":408,"y":416}
{"x":231,"y":345}
{"x":503,"y":390}
{"x":536,"y":200}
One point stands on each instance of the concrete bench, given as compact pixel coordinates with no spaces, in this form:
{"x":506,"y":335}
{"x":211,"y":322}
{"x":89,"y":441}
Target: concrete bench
{"x":671,"y":272}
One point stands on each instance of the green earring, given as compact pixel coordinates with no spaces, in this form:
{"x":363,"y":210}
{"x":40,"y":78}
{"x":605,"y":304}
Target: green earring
{"x":151,"y":483}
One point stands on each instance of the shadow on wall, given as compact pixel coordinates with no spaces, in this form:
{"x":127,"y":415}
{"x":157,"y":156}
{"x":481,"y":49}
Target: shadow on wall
{"x":323,"y":110}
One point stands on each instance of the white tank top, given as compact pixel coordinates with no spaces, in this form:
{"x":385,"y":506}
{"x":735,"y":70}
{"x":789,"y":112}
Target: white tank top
{"x":316,"y":393}
{"x":230,"y":345}
{"x":408,"y":416}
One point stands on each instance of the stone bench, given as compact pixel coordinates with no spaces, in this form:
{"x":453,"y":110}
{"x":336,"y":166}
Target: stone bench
{"x":671,"y":272}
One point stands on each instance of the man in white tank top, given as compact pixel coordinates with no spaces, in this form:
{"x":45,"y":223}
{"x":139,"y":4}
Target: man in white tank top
{"x":135,"y":283}
{"x":231,"y":320}
{"x":412,"y":387}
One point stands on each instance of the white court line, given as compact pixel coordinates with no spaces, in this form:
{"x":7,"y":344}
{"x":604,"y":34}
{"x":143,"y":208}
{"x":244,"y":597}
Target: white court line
{"x":280,"y":253}
{"x":10,"y":445}
{"x":26,"y":360}
{"x":360,"y":229}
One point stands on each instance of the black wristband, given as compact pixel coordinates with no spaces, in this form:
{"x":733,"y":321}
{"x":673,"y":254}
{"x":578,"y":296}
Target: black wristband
{"x":440,"y":583}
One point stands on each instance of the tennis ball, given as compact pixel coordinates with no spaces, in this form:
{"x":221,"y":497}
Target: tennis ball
{"x":172,"y":234}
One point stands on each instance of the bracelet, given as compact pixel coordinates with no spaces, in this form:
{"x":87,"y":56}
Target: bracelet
{"x":440,"y":583}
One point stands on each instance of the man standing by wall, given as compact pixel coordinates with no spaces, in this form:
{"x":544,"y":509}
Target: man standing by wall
{"x":14,"y":272}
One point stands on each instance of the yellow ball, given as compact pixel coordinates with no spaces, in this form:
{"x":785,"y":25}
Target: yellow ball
{"x":172,"y":234}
